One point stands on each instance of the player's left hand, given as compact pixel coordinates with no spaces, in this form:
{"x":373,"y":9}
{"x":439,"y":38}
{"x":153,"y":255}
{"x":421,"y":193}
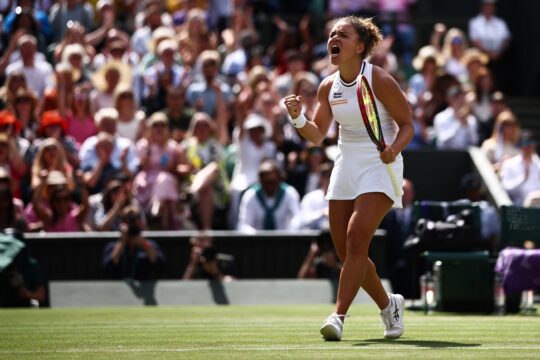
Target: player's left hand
{"x":388,"y":156}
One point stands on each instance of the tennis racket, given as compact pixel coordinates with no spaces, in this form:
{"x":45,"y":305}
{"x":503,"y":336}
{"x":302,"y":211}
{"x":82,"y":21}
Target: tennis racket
{"x":371,"y":119}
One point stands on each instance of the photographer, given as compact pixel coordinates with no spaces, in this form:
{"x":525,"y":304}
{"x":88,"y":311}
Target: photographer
{"x":206,"y":263}
{"x":321,"y":261}
{"x":132,"y":256}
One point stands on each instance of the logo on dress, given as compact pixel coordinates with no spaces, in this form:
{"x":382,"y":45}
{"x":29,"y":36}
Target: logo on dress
{"x":338,"y":95}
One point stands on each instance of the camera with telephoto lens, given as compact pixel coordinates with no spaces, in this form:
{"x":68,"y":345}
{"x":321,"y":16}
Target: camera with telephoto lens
{"x":131,"y":218}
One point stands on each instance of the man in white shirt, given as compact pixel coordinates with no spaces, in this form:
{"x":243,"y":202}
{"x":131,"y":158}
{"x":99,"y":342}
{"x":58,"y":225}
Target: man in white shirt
{"x":488,"y":32}
{"x":38,"y":74}
{"x":520,"y":175}
{"x":455,"y":127}
{"x":269,"y":204}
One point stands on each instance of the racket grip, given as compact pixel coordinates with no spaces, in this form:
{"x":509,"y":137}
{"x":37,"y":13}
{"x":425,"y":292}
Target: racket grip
{"x":397,"y":188}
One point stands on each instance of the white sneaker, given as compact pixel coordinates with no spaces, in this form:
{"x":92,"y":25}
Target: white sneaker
{"x":392,"y":317}
{"x":332,"y":328}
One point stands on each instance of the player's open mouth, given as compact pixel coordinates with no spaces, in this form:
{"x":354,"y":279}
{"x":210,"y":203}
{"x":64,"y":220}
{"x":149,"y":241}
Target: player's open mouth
{"x":334,"y":50}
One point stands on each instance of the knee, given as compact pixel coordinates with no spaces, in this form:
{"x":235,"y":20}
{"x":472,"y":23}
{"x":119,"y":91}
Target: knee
{"x":357,"y":245}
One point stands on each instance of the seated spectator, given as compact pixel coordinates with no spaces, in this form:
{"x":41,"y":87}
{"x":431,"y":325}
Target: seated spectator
{"x":105,"y":207}
{"x":503,"y":143}
{"x":106,"y":153}
{"x":156,"y":185}
{"x":12,"y":162}
{"x":11,"y":208}
{"x":520,"y":175}
{"x":270,"y":204}
{"x":305,"y":174}
{"x":455,"y":127}
{"x":207,"y":179}
{"x":105,"y":81}
{"x":206,"y":263}
{"x":178,"y":113}
{"x":313,"y":212}
{"x":321,"y":261}
{"x":426,"y":64}
{"x":131,"y":121}
{"x":50,"y":156}
{"x":12,"y":84}
{"x":22,"y":283}
{"x":78,"y":115}
{"x":56,"y":211}
{"x":454,"y":45}
{"x":132,"y":256}
{"x":25,"y":106}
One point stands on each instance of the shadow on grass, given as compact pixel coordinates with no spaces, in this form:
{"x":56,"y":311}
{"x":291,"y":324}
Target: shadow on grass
{"x":418,"y":343}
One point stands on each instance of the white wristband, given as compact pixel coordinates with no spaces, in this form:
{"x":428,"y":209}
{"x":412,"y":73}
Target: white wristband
{"x":299,"y":122}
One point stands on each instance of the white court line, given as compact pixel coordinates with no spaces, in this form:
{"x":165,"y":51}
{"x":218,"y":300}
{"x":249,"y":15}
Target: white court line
{"x":275,"y":348}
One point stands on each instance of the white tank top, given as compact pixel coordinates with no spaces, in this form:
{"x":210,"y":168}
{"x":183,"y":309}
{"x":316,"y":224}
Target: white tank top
{"x":346,"y":111}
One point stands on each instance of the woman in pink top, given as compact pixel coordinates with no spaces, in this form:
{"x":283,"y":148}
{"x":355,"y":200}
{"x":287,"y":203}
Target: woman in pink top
{"x":156,"y":185}
{"x":59,"y":213}
{"x":80,"y":122}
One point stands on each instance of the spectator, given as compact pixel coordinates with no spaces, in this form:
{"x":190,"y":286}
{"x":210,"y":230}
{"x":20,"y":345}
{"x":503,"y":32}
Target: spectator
{"x":270,"y":204}
{"x":22,"y":283}
{"x":456,"y":128}
{"x":178,"y":113}
{"x":106,"y":206}
{"x":11,"y":208}
{"x":39,"y":19}
{"x":56,"y":211}
{"x":10,"y":156}
{"x":426,"y":64}
{"x":520,"y":175}
{"x":206,"y":263}
{"x":38,"y":73}
{"x":131,"y":122}
{"x":106,"y":153}
{"x":141,"y":37}
{"x":156,"y":185}
{"x":105,"y":81}
{"x":253,"y":146}
{"x":474,"y":61}
{"x":488,"y":32}
{"x":203,"y":92}
{"x":68,"y":12}
{"x":481,"y":102}
{"x":313,"y":212}
{"x":321,"y":261}
{"x":132,"y":256}
{"x":79,"y":117}
{"x":503,"y":143}
{"x":50,"y":157}
{"x":204,"y":154}
{"x":24,"y":108}
{"x":454,"y":45}
{"x":305,"y":175}
{"x":8,"y":91}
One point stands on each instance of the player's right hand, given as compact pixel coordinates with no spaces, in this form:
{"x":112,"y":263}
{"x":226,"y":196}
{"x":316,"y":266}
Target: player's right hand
{"x":293,"y":103}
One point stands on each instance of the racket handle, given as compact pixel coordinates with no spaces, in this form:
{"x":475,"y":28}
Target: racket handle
{"x":397,"y":188}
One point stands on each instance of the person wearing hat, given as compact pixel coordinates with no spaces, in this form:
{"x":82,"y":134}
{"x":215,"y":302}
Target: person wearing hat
{"x":270,"y":204}
{"x":105,"y":81}
{"x":56,"y":211}
{"x":140,"y":40}
{"x":253,"y":146}
{"x":520,"y":175}
{"x":503,"y":143}
{"x":12,"y":84}
{"x":24,"y":109}
{"x":426,"y":63}
{"x":455,"y":127}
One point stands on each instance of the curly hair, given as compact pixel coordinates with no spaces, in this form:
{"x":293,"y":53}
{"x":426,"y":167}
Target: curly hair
{"x":368,"y":32}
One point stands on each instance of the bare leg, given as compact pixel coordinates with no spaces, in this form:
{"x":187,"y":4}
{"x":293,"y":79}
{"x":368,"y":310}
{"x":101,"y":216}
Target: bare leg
{"x":352,"y":225}
{"x":202,"y":185}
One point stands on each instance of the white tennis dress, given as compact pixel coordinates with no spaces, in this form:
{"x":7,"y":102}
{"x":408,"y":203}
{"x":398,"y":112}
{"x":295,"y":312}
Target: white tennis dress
{"x":358,"y":169}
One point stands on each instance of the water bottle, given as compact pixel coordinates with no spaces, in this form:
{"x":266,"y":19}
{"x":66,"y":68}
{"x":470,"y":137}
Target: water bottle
{"x":427,"y":292}
{"x":527,"y":302}
{"x":499,"y":297}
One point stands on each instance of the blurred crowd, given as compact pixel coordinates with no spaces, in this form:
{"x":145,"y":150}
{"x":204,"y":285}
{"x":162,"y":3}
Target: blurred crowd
{"x":172,"y":110}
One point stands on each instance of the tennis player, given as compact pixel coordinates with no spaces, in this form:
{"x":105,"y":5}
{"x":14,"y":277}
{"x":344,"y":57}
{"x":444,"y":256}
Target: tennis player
{"x":360,"y":191}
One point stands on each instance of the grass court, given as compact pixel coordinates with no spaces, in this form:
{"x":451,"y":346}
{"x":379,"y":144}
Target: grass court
{"x":257,"y":332}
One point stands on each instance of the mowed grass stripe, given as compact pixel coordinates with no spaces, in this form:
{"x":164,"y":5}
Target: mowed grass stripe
{"x":256,"y":332}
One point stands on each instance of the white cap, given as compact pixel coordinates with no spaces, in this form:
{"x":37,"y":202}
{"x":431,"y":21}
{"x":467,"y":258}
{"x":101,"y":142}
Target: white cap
{"x":255,"y":120}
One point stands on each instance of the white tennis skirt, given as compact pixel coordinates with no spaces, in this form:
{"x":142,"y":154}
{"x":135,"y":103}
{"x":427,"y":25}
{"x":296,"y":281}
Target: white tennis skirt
{"x":358,"y":169}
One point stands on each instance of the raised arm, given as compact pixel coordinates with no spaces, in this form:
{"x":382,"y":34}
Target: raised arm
{"x":313,"y":130}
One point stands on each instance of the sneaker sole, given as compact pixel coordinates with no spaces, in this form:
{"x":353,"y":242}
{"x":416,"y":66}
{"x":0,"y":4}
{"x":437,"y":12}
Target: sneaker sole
{"x":328,"y":332}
